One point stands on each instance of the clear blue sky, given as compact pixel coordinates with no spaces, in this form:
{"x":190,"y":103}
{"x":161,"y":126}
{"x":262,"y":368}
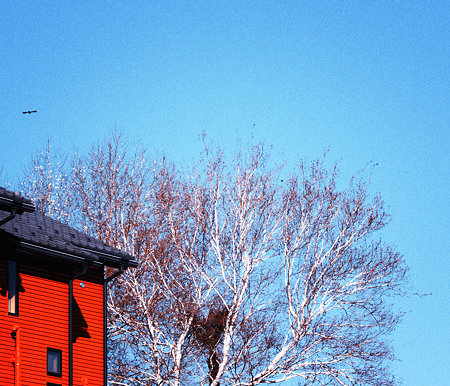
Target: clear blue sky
{"x":370,"y":80}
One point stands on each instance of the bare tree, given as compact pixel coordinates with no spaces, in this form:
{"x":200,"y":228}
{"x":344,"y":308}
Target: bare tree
{"x":253,"y":281}
{"x":243,"y":279}
{"x":112,"y":190}
{"x":47,"y":181}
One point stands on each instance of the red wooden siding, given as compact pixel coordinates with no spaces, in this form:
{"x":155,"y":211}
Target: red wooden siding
{"x":43,"y":315}
{"x":6,"y":323}
{"x":88,"y":348}
{"x":43,"y":322}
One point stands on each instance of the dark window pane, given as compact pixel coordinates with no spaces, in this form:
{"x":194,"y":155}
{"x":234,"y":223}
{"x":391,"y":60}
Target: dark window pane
{"x":13,"y":294}
{"x":54,"y":362}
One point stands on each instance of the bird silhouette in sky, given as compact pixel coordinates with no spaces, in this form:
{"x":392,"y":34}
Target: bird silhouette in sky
{"x":29,"y":111}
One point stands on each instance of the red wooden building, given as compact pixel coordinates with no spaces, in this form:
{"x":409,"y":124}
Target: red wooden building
{"x":52,"y":299}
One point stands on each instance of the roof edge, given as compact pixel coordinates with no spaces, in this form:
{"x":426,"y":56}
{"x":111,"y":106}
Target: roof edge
{"x":98,"y":259}
{"x":9,"y":204}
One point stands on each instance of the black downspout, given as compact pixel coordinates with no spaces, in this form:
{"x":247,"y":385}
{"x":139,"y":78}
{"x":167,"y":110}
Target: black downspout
{"x":105,"y":322}
{"x":76,"y":276}
{"x":10,"y":217}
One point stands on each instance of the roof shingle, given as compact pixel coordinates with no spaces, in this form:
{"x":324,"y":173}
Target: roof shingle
{"x":38,"y":231}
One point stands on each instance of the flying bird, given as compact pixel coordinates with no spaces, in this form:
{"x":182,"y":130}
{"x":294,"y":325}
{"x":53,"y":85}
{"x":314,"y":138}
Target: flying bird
{"x":29,"y":112}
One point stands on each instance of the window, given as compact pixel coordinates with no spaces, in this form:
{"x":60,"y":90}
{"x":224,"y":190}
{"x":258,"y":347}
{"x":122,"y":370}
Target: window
{"x":54,"y":362}
{"x":13,"y":293}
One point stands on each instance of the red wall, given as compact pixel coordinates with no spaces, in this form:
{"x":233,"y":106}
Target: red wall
{"x":88,"y":349}
{"x":43,"y":322}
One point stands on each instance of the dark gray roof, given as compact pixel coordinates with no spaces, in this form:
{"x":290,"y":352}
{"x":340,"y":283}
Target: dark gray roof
{"x":13,"y":200}
{"x":36,"y":232}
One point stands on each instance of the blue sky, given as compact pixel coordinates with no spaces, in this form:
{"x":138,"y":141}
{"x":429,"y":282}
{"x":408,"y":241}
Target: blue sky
{"x":369,"y":80}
